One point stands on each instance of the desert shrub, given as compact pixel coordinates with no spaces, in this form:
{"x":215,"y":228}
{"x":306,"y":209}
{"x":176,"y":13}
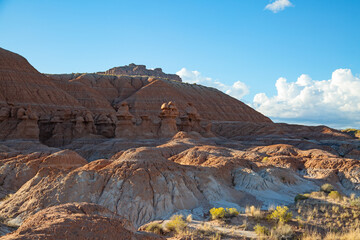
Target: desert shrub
{"x":320,"y":194}
{"x":327,"y":188}
{"x":311,"y":236}
{"x":231,"y":212}
{"x":209,"y":231}
{"x":155,"y":228}
{"x":206,"y":229}
{"x":217,"y":236}
{"x":281,"y":214}
{"x":355,"y":202}
{"x":176,"y":224}
{"x":217,"y":213}
{"x":261,"y":230}
{"x":282,"y":231}
{"x":352,"y":234}
{"x":335,"y":209}
{"x":300,"y":197}
{"x":253,"y":211}
{"x":353,"y":196}
{"x":335,"y":195}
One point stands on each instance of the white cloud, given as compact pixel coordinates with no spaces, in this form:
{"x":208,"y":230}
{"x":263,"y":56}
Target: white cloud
{"x":237,"y":90}
{"x":278,"y":5}
{"x":334,"y":102}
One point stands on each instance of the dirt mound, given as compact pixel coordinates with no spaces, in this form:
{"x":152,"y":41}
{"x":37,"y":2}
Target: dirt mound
{"x":77,"y":221}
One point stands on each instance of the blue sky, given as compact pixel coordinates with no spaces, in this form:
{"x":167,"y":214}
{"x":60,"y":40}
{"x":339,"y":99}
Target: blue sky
{"x":216,"y":43}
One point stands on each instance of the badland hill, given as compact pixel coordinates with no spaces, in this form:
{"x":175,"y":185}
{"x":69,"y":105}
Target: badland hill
{"x":96,"y":156}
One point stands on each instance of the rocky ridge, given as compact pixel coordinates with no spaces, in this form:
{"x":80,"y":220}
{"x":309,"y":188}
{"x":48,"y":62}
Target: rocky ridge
{"x":133,"y":70}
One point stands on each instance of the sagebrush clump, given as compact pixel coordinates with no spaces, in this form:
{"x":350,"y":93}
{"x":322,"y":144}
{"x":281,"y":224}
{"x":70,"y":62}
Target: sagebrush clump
{"x":176,"y":223}
{"x":327,"y":187}
{"x":282,"y":231}
{"x":281,"y":214}
{"x":219,"y":213}
{"x":231,"y":212}
{"x":335,"y":195}
{"x":155,"y":228}
{"x":261,"y":231}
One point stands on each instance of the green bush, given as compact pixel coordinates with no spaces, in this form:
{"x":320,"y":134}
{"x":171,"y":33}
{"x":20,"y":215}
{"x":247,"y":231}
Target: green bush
{"x":231,"y":212}
{"x":281,"y":214}
{"x":335,"y":195}
{"x":176,"y":223}
{"x":282,"y":231}
{"x":155,"y":228}
{"x":261,"y":230}
{"x":355,"y":203}
{"x":217,"y":213}
{"x":327,"y":188}
{"x":300,"y":197}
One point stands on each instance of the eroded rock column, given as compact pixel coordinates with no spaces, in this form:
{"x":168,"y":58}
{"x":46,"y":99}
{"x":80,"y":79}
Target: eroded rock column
{"x":168,"y":115}
{"x":124,"y":126}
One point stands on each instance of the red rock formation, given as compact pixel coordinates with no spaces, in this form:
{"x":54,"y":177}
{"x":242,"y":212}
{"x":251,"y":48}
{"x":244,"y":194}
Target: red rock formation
{"x":210,"y":103}
{"x":77,"y":221}
{"x":168,"y":115}
{"x":18,"y":168}
{"x":22,"y":85}
{"x":141,"y":185}
{"x":124,"y":125}
{"x":133,"y":69}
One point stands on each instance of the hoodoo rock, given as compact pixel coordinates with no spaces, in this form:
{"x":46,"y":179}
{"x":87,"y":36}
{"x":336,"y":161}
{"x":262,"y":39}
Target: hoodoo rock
{"x":168,"y":116}
{"x":124,"y":126}
{"x":210,"y":103}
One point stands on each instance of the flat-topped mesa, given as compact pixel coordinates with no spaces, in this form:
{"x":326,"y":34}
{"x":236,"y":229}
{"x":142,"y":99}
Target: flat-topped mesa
{"x":141,"y":70}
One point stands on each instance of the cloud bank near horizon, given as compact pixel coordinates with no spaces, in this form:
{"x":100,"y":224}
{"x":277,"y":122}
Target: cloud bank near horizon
{"x":334,"y":102}
{"x":278,"y":5}
{"x":237,"y":90}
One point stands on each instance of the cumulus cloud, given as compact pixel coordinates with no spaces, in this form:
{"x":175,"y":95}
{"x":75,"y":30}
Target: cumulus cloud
{"x":334,"y":102}
{"x":278,"y":5}
{"x":237,"y":90}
